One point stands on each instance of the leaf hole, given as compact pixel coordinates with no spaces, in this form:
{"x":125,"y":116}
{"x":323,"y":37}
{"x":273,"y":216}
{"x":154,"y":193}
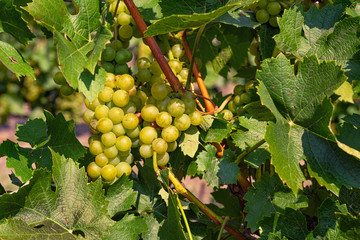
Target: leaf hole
{"x":79,"y":232}
{"x":39,"y":226}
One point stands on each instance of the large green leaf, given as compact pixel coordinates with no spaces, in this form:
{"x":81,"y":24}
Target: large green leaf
{"x":75,"y":40}
{"x":74,"y":207}
{"x":189,"y":141}
{"x":128,"y":228}
{"x":305,"y":34}
{"x":13,"y":60}
{"x":11,"y":22}
{"x":350,"y":197}
{"x":349,"y":135}
{"x":218,"y":131}
{"x":269,"y":196}
{"x":207,"y":163}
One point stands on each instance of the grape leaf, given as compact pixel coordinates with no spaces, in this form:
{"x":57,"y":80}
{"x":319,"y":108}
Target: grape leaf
{"x":228,"y":170}
{"x":13,"y":60}
{"x":11,"y":22}
{"x":74,"y":206}
{"x":128,"y":228}
{"x":349,"y":136}
{"x":296,"y":96}
{"x":306,"y":34}
{"x":32,"y":132}
{"x":153,"y":225}
{"x":258,"y":157}
{"x":237,"y":19}
{"x":351,"y":198}
{"x":207,"y":163}
{"x":189,"y":141}
{"x":268,"y":196}
{"x":177,"y":23}
{"x":121,"y":196}
{"x":291,"y":224}
{"x":218,"y":131}
{"x":230,"y":203}
{"x":349,"y":226}
{"x":73,"y":36}
{"x":267,"y":42}
{"x":345,"y":91}
{"x":255,"y":132}
{"x":259,"y":111}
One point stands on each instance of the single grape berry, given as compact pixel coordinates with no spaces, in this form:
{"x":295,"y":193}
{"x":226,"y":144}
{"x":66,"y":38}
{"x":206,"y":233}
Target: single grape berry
{"x":93,"y":170}
{"x":108,"y":54}
{"x":123,"y":168}
{"x":123,"y":143}
{"x":262,"y":16}
{"x":108,"y":172}
{"x":59,"y":79}
{"x":273,"y":8}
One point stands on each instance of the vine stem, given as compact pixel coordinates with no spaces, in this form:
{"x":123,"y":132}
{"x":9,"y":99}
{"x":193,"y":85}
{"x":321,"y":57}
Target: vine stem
{"x":184,"y":217}
{"x":222,"y":227}
{"x":249,"y":150}
{"x":210,"y":108}
{"x":158,"y":55}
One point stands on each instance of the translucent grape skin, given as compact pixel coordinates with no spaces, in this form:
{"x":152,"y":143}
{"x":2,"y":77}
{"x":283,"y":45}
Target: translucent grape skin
{"x":159,"y":145}
{"x":148,"y":134}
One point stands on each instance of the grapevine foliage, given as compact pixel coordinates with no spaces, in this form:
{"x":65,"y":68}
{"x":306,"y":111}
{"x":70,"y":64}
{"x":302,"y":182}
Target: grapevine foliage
{"x":281,"y":158}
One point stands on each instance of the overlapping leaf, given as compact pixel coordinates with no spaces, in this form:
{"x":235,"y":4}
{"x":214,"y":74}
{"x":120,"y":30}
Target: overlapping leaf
{"x":128,"y":228}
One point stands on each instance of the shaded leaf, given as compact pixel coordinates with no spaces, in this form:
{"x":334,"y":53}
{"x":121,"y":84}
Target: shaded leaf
{"x":128,"y":228}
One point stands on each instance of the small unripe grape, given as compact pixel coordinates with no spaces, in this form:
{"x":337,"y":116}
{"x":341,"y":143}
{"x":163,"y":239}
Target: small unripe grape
{"x":159,"y":91}
{"x":262,"y":16}
{"x":143,"y":63}
{"x":137,"y":101}
{"x":118,"y":129}
{"x":125,"y":82}
{"x":129,"y":159}
{"x":163,"y":159}
{"x":125,"y":32}
{"x":119,"y":44}
{"x":159,"y":145}
{"x":182,"y":122}
{"x":170,"y":133}
{"x":148,"y":134}
{"x":196,"y":118}
{"x":111,"y":152}
{"x":101,"y":160}
{"x":162,"y":104}
{"x":176,"y":107}
{"x":108,"y":172}
{"x":231,"y":106}
{"x":124,"y":153}
{"x":121,"y":98}
{"x":93,"y":170}
{"x":273,"y":8}
{"x":144,"y":75}
{"x":123,"y":168}
{"x":130,"y":121}
{"x":133,"y":133}
{"x":237,"y":100}
{"x":146,"y":151}
{"x":142,"y":96}
{"x":66,"y":90}
{"x":108,"y":66}
{"x":123,"y":19}
{"x":60,"y":79}
{"x":151,"y":100}
{"x":149,"y":112}
{"x":104,"y":125}
{"x":88,"y":115}
{"x":227,"y":114}
{"x":177,"y":50}
{"x":273,"y":21}
{"x":249,"y":85}
{"x":156,"y":79}
{"x":121,"y":69}
{"x":163,"y":119}
{"x":123,"y":143}
{"x":239,"y":89}
{"x":116,"y":115}
{"x":262,"y":4}
{"x":245,"y":98}
{"x":155,"y":68}
{"x":101,"y":111}
{"x":190,"y":105}
{"x":130,"y":108}
{"x":172,"y":146}
{"x":108,"y":139}
{"x":108,"y":54}
{"x":96,"y":147}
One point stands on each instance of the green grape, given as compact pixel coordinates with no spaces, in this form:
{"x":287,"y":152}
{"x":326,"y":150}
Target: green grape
{"x":88,"y":116}
{"x":151,"y":100}
{"x":196,"y":118}
{"x":121,"y":98}
{"x":190,"y":105}
{"x":135,"y":142}
{"x":121,"y":69}
{"x":96,"y":147}
{"x":184,"y":73}
{"x":177,"y":50}
{"x":262,"y":4}
{"x":128,"y":159}
{"x":245,"y":98}
{"x":111,"y":152}
{"x":114,"y":161}
{"x":231,"y":106}
{"x":116,"y":115}
{"x":227,"y":114}
{"x":60,"y":79}
{"x":133,"y":133}
{"x":239,"y":89}
{"x":130,"y":108}
{"x":108,"y":172}
{"x":123,"y":168}
{"x":101,"y":160}
{"x":123,"y":19}
{"x":146,"y":151}
{"x":137,"y":101}
{"x":101,"y":111}
{"x":159,"y":145}
{"x":104,"y":125}
{"x":249,"y":85}
{"x":149,"y":112}
{"x":176,"y":107}
{"x":148,"y":134}
{"x":93,"y":104}
{"x":170,"y":133}
{"x":182,"y":122}
{"x":112,"y":44}
{"x":125,"y":43}
{"x":128,"y":55}
{"x":163,"y":119}
{"x":155,"y":68}
{"x":175,"y":65}
{"x":172,"y":146}
{"x":163,"y":159}
{"x":273,"y":21}
{"x":273,"y":8}
{"x":125,"y":82}
{"x":262,"y":16}
{"x":108,"y":66}
{"x":144,"y":75}
{"x":162,"y":104}
{"x":108,"y":139}
{"x":159,"y":91}
{"x":121,"y":7}
{"x":136,"y":31}
{"x":121,"y":56}
{"x":143,"y":63}
{"x":93,"y":170}
{"x":118,"y":129}
{"x":93,"y":138}
{"x":66,"y":90}
{"x":123,"y":143}
{"x":108,"y":54}
{"x":124,"y":153}
{"x":156,"y":79}
{"x":237,"y":100}
{"x":125,"y":32}
{"x":130,"y":121}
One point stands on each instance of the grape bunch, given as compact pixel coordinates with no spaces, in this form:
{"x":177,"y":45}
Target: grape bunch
{"x":242,"y":95}
{"x":125,"y":117}
{"x":65,"y":88}
{"x":268,"y":11}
